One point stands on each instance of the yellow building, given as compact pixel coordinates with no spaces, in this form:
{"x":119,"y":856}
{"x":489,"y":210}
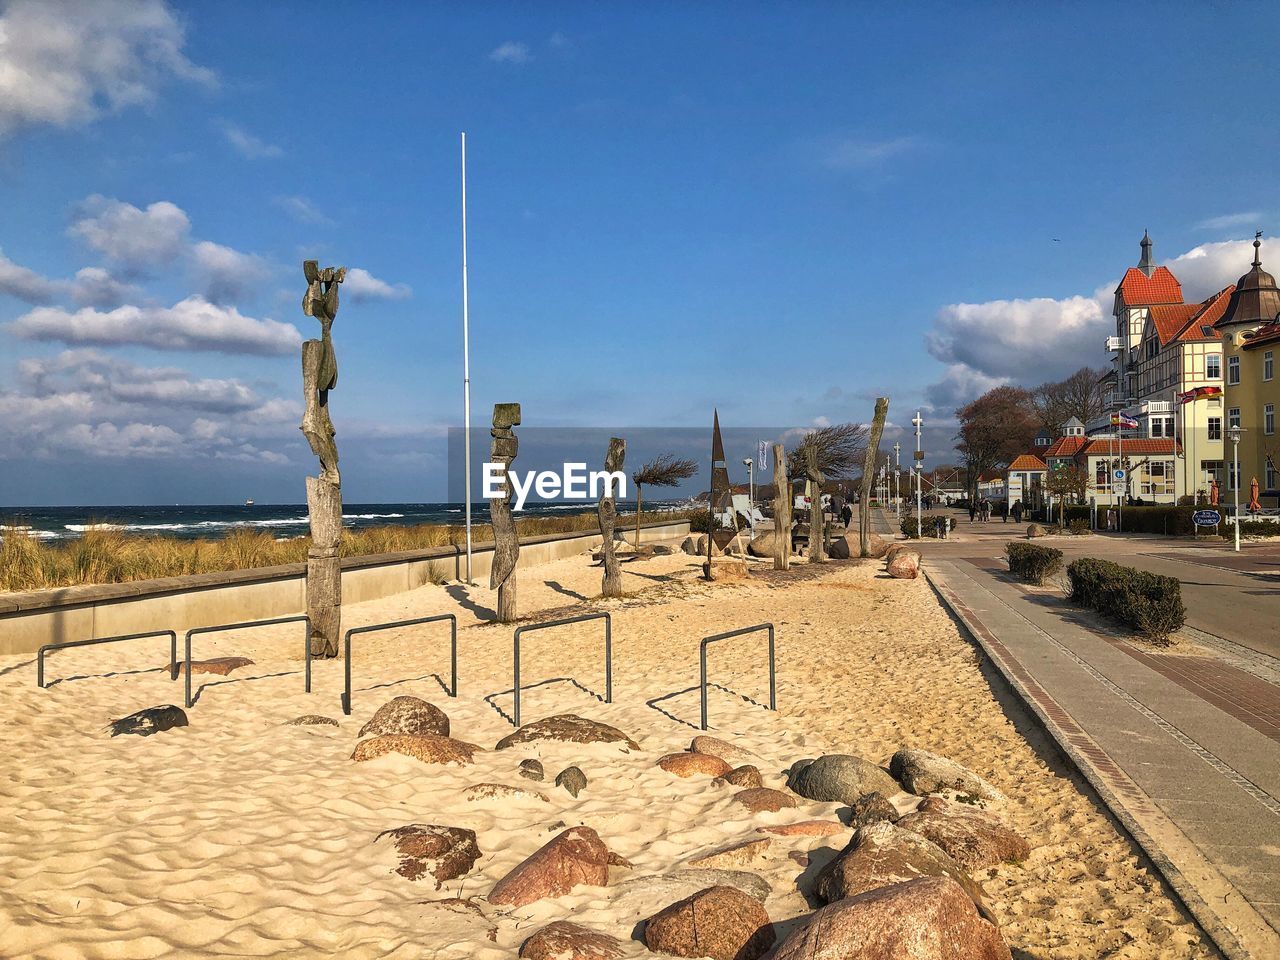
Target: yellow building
{"x":1250,"y":330}
{"x":1165,"y":351}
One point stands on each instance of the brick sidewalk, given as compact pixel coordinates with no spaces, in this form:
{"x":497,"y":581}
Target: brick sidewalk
{"x":1183,"y":749}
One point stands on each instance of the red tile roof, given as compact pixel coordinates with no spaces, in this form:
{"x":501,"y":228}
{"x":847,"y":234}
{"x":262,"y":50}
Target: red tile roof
{"x":1209,"y":313}
{"x":1139,"y":290}
{"x":1028,"y":461}
{"x":1267,"y":334}
{"x":1064,"y":447}
{"x":1103,"y":447}
{"x":1170,"y":319}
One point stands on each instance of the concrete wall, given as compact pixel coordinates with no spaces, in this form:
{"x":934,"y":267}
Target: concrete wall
{"x":30,"y":620}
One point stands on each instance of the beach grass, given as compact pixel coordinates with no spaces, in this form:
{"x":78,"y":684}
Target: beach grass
{"x":107,"y":555}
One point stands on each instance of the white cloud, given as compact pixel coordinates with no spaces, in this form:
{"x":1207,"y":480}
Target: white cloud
{"x":362,"y":286}
{"x":511,"y":52}
{"x":1041,"y":337}
{"x":95,"y":287}
{"x":559,"y":41}
{"x":1029,"y":341}
{"x":958,"y":386}
{"x":226,"y":274}
{"x":64,"y":62}
{"x":247,"y":145}
{"x":136,"y":239}
{"x":1230,"y":221}
{"x":856,"y":153}
{"x":25,"y":284}
{"x":1206,"y":269}
{"x":84,"y":403}
{"x":302,"y":210}
{"x":191,"y":324}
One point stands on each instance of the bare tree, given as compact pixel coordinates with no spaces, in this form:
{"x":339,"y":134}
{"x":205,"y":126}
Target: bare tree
{"x":1080,"y":395}
{"x":664,"y":471}
{"x":839,"y":449}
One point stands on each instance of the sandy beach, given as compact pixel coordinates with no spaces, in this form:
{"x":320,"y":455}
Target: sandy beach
{"x":240,"y":836}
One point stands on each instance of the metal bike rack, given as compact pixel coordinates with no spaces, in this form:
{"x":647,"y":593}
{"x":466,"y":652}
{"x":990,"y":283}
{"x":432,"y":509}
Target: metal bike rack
{"x":608,"y":652}
{"x":221,"y":628}
{"x":173,"y":649}
{"x":453,"y":650}
{"x":702,"y":656}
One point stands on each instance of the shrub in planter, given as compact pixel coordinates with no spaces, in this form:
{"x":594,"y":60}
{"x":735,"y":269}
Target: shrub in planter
{"x":1031,"y":562}
{"x":1079,"y":527}
{"x":1149,"y":604}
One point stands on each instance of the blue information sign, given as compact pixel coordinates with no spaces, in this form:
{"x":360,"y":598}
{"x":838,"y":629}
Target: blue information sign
{"x":1206,"y":518}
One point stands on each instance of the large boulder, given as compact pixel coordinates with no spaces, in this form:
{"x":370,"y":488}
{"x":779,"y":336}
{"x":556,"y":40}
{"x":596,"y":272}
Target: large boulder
{"x":720,"y":922}
{"x":881,"y":855}
{"x":927,"y":918}
{"x":564,"y":940}
{"x":443,"y":853}
{"x":764,"y":800}
{"x":896,"y":548}
{"x":425,"y":748}
{"x":407,"y":715}
{"x":871,"y":808}
{"x":694,"y":764}
{"x":572,"y":779}
{"x":690,"y":546}
{"x":726,"y":568}
{"x":576,"y":856}
{"x":151,"y":720}
{"x":840,"y":778}
{"x":747,"y":775}
{"x":921,"y":772}
{"x":972,"y":837}
{"x":763,"y":544}
{"x":736,"y":854}
{"x":850,"y":545}
{"x":682,"y":883}
{"x":1035,"y":530}
{"x":569,"y":728}
{"x":904,"y":566}
{"x":730,"y":753}
{"x":805,"y":828}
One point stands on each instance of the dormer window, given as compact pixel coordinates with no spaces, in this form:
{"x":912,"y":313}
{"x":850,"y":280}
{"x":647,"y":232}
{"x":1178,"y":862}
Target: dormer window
{"x":1153,"y":346}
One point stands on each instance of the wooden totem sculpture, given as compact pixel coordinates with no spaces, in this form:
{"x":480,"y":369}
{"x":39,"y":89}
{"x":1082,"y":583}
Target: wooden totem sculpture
{"x":868,"y":473}
{"x":324,"y":493}
{"x":781,"y":510}
{"x":611,"y":584}
{"x":817,"y":523}
{"x":506,"y":542}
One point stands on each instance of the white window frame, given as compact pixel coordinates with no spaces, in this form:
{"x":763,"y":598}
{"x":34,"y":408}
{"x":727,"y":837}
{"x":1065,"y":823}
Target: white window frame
{"x":1233,"y":417}
{"x":1269,"y":419}
{"x":1268,"y":365}
{"x":1233,"y":370}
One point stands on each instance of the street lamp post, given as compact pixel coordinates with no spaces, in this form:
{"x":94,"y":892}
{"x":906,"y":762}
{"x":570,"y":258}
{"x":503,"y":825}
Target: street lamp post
{"x":751,"y":494}
{"x":897,"y":479}
{"x":918,"y":423}
{"x":1234,"y":433}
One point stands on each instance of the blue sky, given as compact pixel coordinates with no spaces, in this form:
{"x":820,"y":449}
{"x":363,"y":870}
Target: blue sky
{"x":782,"y":211}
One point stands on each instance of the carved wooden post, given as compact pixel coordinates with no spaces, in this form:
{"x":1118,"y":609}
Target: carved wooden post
{"x":324,"y":493}
{"x":611,"y":585}
{"x":817,"y":523}
{"x":506,"y":542}
{"x":868,"y":472}
{"x":781,"y":510}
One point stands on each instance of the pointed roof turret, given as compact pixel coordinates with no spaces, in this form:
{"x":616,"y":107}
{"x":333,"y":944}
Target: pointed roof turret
{"x":1256,"y":298}
{"x":1146,"y":264}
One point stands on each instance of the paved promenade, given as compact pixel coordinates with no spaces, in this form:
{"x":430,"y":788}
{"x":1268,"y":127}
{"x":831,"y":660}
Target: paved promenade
{"x":1183,"y":745}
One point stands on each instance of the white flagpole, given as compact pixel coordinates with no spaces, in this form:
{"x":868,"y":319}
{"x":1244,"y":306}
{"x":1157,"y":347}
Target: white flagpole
{"x":466,"y":362}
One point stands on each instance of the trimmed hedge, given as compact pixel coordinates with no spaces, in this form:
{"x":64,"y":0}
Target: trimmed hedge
{"x":1032,"y":563}
{"x":929,"y":521}
{"x":1255,"y":528}
{"x":1148,"y":603}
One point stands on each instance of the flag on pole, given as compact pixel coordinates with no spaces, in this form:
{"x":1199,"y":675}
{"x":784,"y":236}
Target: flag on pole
{"x":1124,"y":421}
{"x":762,"y":455}
{"x":1199,"y":392}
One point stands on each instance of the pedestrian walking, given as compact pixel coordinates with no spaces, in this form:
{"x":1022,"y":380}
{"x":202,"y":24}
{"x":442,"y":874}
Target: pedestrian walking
{"x":973,"y":511}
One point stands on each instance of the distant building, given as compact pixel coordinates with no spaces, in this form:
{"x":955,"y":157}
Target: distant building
{"x":1250,"y":331}
{"x":1166,"y":349}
